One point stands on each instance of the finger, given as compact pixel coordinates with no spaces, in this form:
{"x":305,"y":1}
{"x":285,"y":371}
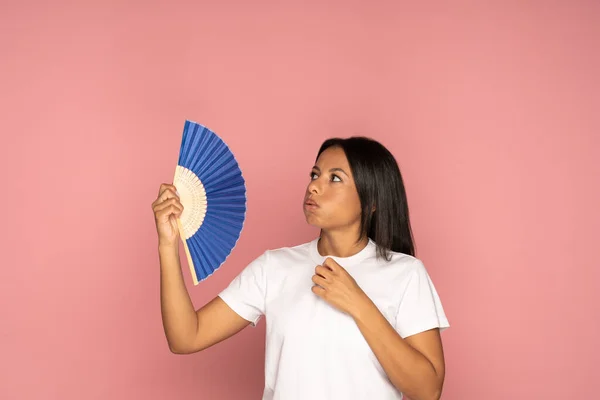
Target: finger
{"x":168,"y":202}
{"x":167,"y":214}
{"x":172,"y":209}
{"x":319,"y":291}
{"x":167,"y":197}
{"x":332,"y":265}
{"x":166,"y":192}
{"x":319,"y":280}
{"x":172,"y":205}
{"x":166,"y":186}
{"x":323,"y":271}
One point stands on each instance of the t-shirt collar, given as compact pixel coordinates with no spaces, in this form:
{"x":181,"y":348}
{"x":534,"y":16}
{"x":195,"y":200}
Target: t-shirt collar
{"x":355,"y":259}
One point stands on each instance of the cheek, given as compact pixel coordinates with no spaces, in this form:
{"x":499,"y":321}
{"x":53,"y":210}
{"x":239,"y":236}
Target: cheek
{"x":347,"y":204}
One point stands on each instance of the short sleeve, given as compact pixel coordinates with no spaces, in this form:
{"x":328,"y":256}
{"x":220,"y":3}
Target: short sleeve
{"x":420,"y":307}
{"x":246,"y":293}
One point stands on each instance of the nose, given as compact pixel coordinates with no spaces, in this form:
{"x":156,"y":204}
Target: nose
{"x":313,"y":187}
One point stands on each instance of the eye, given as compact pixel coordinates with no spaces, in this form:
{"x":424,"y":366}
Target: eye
{"x":312,"y":175}
{"x":334,"y":177}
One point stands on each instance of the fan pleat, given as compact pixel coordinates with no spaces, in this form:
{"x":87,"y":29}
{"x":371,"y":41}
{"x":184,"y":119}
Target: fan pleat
{"x":218,"y":169}
{"x":221,"y":241}
{"x":218,"y":161}
{"x":228,"y":216}
{"x":224,"y":200}
{"x":207,"y":157}
{"x":201,"y":262}
{"x":216,"y":253}
{"x":199,"y":147}
{"x":233,"y":194}
{"x":220,"y":223}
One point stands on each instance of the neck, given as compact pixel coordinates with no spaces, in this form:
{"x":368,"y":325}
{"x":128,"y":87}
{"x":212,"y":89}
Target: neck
{"x":340,"y":244}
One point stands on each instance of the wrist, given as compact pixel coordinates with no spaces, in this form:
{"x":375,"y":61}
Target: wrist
{"x":362,"y":307}
{"x":168,"y":248}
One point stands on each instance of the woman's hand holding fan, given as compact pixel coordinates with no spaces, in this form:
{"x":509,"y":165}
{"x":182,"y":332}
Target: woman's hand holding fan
{"x":167,"y":208}
{"x":209,"y":185}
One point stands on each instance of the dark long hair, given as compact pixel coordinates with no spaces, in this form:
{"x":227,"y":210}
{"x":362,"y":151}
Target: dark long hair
{"x":379,"y":184}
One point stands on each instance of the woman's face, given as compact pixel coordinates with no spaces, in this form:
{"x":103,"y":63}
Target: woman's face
{"x":331,"y":201}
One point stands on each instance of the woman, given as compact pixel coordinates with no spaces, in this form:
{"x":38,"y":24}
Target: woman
{"x":351,"y":314}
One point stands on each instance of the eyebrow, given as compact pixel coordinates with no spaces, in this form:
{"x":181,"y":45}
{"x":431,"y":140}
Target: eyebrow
{"x":332,"y":170}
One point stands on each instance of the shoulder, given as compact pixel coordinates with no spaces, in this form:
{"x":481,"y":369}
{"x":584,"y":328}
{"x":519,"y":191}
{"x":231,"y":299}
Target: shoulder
{"x":403,"y":261}
{"x":404,"y":266}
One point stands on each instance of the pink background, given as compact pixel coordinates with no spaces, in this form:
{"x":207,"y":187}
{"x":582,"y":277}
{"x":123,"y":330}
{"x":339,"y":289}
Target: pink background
{"x":491,"y":108}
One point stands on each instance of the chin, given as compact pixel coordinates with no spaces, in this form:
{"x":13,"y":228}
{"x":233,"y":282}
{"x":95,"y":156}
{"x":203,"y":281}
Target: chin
{"x":311,"y":220}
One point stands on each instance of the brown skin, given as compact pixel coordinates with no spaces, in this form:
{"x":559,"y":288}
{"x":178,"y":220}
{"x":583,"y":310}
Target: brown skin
{"x":337,"y":210}
{"x":187,"y":331}
{"x":415,"y":365}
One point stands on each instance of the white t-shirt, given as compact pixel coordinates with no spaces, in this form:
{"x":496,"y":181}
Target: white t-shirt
{"x":314,"y":351}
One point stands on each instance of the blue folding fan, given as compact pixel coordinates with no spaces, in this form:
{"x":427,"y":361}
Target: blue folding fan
{"x":212,"y":191}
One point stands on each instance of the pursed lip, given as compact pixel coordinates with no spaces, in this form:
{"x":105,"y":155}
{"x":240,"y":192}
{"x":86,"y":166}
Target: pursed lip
{"x":311,"y":202}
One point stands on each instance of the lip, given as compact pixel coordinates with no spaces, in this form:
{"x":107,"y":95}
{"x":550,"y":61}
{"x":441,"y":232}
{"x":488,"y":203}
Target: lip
{"x":311,"y":203}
